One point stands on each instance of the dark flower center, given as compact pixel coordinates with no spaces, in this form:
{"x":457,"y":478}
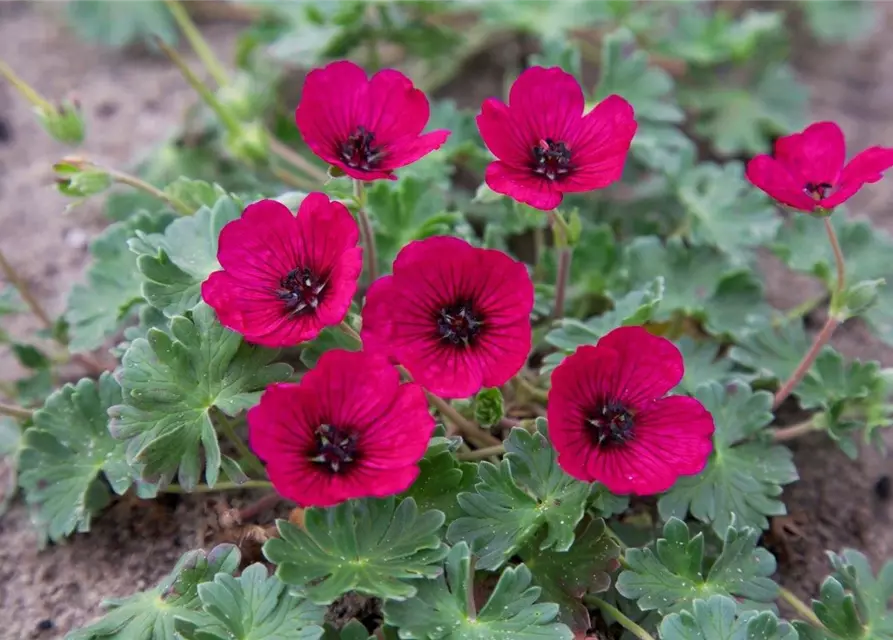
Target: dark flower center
{"x":301,"y":290}
{"x":459,"y":323}
{"x":611,"y":423}
{"x":818,"y":191}
{"x":359,"y":151}
{"x":551,"y":159}
{"x":335,"y":448}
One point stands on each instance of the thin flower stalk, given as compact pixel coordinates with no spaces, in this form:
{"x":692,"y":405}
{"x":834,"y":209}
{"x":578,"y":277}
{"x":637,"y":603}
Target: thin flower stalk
{"x":14,"y":411}
{"x":197,"y":42}
{"x":565,"y":254}
{"x":622,"y":619}
{"x":219,"y":487}
{"x":802,"y":609}
{"x":366,"y":232}
{"x":226,"y":427}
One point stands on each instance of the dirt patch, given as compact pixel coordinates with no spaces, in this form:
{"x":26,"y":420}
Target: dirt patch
{"x":132,"y":103}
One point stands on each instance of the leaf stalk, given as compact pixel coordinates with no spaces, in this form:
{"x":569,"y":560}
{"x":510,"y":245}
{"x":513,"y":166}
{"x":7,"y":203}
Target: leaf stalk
{"x":619,"y":616}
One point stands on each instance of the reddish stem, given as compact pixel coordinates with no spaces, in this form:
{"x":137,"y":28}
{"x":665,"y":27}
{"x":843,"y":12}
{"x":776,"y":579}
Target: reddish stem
{"x":820,"y":341}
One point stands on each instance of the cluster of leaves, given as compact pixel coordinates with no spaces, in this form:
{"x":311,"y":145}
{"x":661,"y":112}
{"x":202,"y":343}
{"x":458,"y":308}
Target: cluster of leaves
{"x":513,"y":548}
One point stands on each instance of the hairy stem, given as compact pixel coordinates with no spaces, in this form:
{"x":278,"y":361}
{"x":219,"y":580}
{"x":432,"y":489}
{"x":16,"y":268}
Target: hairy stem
{"x":14,"y":411}
{"x":794,"y":431}
{"x":823,"y":336}
{"x":802,"y":609}
{"x":480,"y":454}
{"x":132,"y":181}
{"x":534,"y":392}
{"x":226,"y":427}
{"x":802,"y":369}
{"x":619,"y":616}
{"x":23,"y":87}
{"x":220,"y":486}
{"x":292,"y":179}
{"x":368,"y":235}
{"x":565,"y":253}
{"x":198,"y":43}
{"x":229,"y":121}
{"x":289,"y":155}
{"x":17,"y":281}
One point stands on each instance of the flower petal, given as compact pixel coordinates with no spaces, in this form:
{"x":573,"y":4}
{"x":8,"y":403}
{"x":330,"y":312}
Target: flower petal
{"x":504,"y":138}
{"x":773,"y":177}
{"x":815,"y":156}
{"x":547,"y":103}
{"x":868,"y":166}
{"x":405,"y":151}
{"x":394,"y":108}
{"x":523,"y":185}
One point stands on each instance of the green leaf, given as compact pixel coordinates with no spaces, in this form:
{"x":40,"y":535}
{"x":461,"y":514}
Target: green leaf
{"x":717,"y":618}
{"x":526,"y":492}
{"x":373,"y":547}
{"x":10,"y":301}
{"x":857,"y":299}
{"x":853,"y":603}
{"x":725,"y":210}
{"x":673,"y":575}
{"x":565,"y":577}
{"x":116,"y":25}
{"x":195,"y":194}
{"x":10,"y":446}
{"x":184,"y":257}
{"x":536,"y":18}
{"x":489,"y":407}
{"x":97,"y":308}
{"x":65,"y":452}
{"x":831,"y":382}
{"x":328,"y":339}
{"x":741,"y":119}
{"x":703,"y":364}
{"x":625,"y":71}
{"x":353,"y":630}
{"x":441,"y":478}
{"x":771,"y":353}
{"x":635,"y":308}
{"x":253,"y":606}
{"x":150,"y":615}
{"x":30,"y":356}
{"x":442,"y":608}
{"x":171,"y":383}
{"x":840,"y":20}
{"x":743,"y":479}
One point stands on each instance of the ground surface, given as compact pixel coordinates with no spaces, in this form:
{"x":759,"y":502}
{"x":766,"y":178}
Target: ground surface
{"x":133,"y":101}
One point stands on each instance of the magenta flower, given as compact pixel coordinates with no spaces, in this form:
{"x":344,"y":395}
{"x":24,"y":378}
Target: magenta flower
{"x":286,"y":277}
{"x":610,"y":422}
{"x":457,"y":317}
{"x":349,"y":430}
{"x":809,"y":171}
{"x":366,"y":126}
{"x":546,"y":146}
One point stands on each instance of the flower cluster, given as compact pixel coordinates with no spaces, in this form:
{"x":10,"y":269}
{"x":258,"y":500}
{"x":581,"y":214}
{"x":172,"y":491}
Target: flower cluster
{"x":452,"y":317}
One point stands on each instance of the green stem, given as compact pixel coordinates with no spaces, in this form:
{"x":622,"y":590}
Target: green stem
{"x":289,"y":155}
{"x":534,"y":392}
{"x":292,"y":180}
{"x":17,"y":281}
{"x":198,"y":43}
{"x":802,"y":609}
{"x":229,"y":121}
{"x":799,"y":311}
{"x":368,"y":235}
{"x":220,"y":486}
{"x":469,"y":430}
{"x":226,"y":427}
{"x":838,"y":257}
{"x":794,"y":431}
{"x":351,"y":333}
{"x":619,"y":616}
{"x":132,"y":181}
{"x":14,"y":411}
{"x":565,"y":253}
{"x":24,"y":88}
{"x":480,"y":454}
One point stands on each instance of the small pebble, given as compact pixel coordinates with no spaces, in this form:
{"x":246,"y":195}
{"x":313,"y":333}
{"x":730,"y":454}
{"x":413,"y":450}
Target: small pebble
{"x":882,"y":488}
{"x":45,"y":625}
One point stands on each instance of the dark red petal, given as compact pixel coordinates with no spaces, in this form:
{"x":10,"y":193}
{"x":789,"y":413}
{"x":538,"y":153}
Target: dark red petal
{"x":331,"y":106}
{"x":503,"y":137}
{"x":646,"y":366}
{"x":378,"y":318}
{"x":866,"y":168}
{"x":444,"y":370}
{"x":405,"y":151}
{"x":394,"y":109}
{"x":523,"y":185}
{"x":547,"y":103}
{"x":262,"y":245}
{"x":400,"y":435}
{"x":815,"y":156}
{"x":774,"y":178}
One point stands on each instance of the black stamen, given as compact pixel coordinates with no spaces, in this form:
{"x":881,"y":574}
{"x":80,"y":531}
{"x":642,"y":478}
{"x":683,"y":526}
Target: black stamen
{"x":818,"y":191}
{"x":358,"y":150}
{"x":301,"y":290}
{"x":335,"y":448}
{"x":459,"y":323}
{"x":551,"y":159}
{"x":612,"y":424}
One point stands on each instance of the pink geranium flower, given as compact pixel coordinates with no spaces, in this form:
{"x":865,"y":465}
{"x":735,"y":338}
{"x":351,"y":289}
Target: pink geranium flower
{"x":457,"y":317}
{"x":808,"y":172}
{"x":286,"y":277}
{"x":610,"y":422}
{"x":367,"y":127}
{"x":546,"y":146}
{"x":349,"y":430}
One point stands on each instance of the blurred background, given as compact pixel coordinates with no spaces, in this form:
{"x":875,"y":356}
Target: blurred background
{"x":732,"y":77}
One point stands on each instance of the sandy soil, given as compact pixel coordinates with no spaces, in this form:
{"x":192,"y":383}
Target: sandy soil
{"x":134,"y":101}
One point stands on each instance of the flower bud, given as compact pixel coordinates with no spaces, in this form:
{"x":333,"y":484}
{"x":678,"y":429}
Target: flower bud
{"x":77,"y":178}
{"x":64,"y":122}
{"x":248,"y":143}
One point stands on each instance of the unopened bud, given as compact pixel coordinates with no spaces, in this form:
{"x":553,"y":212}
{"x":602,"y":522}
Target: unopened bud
{"x":64,"y":122}
{"x":249,"y":143}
